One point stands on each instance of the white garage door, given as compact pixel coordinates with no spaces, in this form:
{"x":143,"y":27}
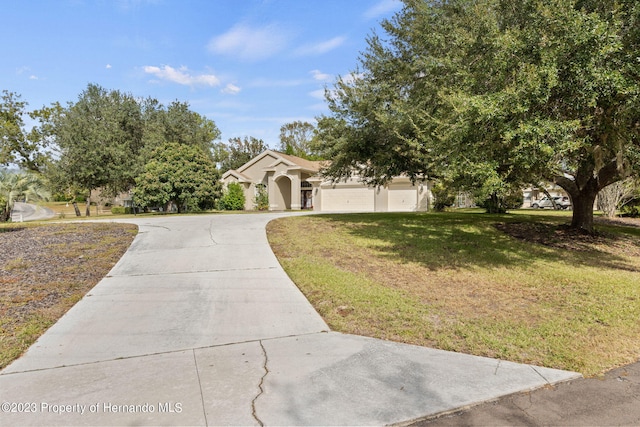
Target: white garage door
{"x":402,"y":200}
{"x":348,"y":199}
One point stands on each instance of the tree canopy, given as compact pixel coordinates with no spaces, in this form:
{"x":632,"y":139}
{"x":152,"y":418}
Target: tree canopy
{"x":176,"y":123}
{"x":24,"y":149}
{"x":100,"y":138}
{"x":494,"y":94}
{"x":106,"y":138}
{"x":180,"y":174}
{"x":237,"y":152}
{"x":295,"y":139}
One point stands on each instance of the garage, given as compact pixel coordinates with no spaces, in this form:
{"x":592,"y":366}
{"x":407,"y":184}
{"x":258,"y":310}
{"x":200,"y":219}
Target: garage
{"x":353,"y":199}
{"x":402,"y":199}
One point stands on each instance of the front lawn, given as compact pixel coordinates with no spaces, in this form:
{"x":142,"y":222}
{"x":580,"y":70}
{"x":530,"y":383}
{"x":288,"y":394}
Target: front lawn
{"x":514,"y":287}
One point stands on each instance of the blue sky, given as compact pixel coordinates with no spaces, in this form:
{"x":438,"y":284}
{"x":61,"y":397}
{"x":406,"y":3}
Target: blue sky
{"x":249,"y":65}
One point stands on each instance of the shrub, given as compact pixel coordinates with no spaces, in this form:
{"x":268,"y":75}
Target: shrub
{"x":444,"y":196}
{"x":500,"y":203}
{"x":261,"y":201}
{"x":121,"y":210}
{"x":233,"y":198}
{"x":118,"y":210}
{"x":631,"y":209}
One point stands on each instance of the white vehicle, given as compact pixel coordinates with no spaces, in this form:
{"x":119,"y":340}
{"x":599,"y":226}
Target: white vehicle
{"x":545,"y":202}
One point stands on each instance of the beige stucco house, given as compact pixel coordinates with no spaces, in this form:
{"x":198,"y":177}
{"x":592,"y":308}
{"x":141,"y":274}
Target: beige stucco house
{"x":295,"y":183}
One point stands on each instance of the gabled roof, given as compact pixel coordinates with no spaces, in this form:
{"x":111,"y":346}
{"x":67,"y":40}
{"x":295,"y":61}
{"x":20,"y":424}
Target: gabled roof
{"x":313,"y":165}
{"x":239,"y":176}
{"x":291,"y":161}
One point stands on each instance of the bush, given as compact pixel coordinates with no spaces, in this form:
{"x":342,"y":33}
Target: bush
{"x":631,"y":209}
{"x":121,"y":210}
{"x":444,"y":196}
{"x":232,"y":199}
{"x":261,"y":201}
{"x":501,"y":203}
{"x":118,"y":210}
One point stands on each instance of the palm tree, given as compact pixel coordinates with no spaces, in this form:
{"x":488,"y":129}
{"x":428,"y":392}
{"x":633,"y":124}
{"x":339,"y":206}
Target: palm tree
{"x":14,"y":185}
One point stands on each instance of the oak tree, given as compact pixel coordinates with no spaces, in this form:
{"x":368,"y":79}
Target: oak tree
{"x":495,"y":94}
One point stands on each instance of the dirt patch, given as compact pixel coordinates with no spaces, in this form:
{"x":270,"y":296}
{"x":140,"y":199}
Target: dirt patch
{"x":45,"y":269}
{"x":567,"y":238}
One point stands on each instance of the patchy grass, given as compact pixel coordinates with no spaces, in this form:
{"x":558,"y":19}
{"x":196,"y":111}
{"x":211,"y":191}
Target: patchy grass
{"x":516,"y":287}
{"x":45,"y":270}
{"x":64,"y":210}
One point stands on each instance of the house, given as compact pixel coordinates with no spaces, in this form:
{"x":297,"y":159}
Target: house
{"x":296,"y":183}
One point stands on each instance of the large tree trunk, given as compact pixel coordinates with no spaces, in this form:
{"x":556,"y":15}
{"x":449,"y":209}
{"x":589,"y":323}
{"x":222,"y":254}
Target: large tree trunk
{"x":584,"y":188}
{"x":583,"y":210}
{"x":76,"y":208}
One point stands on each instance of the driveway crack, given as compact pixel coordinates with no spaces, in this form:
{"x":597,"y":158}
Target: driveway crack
{"x":211,"y":233}
{"x":260,"y":385}
{"x":204,"y":411}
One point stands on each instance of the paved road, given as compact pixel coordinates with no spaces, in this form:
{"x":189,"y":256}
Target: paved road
{"x":29,"y":212}
{"x":610,"y":400}
{"x":199,"y":325}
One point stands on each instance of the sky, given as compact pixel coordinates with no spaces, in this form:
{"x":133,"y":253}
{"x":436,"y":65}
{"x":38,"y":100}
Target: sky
{"x":249,"y":65}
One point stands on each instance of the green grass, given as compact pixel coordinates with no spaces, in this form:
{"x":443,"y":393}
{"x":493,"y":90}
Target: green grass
{"x":456,"y":282}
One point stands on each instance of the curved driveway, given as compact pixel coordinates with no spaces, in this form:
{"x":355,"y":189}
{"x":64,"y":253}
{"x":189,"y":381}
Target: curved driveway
{"x":29,"y":212}
{"x":199,"y":325}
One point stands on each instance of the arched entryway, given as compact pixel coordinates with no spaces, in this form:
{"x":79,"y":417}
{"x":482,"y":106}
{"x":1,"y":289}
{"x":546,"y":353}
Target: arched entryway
{"x":283,"y":192}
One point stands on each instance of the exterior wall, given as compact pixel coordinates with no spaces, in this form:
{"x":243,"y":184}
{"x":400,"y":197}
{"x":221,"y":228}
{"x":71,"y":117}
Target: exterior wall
{"x":249,"y":191}
{"x":353,"y":196}
{"x":256,"y":170}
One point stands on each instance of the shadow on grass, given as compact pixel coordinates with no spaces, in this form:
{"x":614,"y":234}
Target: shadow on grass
{"x":461,"y":240}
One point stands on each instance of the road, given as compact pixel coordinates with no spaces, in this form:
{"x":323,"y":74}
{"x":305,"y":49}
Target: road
{"x":29,"y":212}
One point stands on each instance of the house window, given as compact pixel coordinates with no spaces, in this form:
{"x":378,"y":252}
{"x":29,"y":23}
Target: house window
{"x":305,"y":184}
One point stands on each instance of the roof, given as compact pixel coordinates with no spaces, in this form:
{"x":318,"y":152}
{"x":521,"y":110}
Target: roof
{"x":239,"y":176}
{"x":308,"y":165}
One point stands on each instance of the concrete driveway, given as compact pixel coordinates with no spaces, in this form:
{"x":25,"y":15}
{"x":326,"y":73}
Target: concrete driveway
{"x":199,"y":325}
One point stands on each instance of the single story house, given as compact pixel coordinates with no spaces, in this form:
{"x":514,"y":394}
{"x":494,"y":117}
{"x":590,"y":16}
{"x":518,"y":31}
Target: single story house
{"x":296,"y":183}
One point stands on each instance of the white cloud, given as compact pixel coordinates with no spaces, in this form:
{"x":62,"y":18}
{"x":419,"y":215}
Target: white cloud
{"x":182,"y":76}
{"x":108,"y":66}
{"x":250,"y":43}
{"x":231,"y":89}
{"x":321,"y":47}
{"x":320,"y":76}
{"x":319,"y":94}
{"x":33,"y":77}
{"x":383,"y":7}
